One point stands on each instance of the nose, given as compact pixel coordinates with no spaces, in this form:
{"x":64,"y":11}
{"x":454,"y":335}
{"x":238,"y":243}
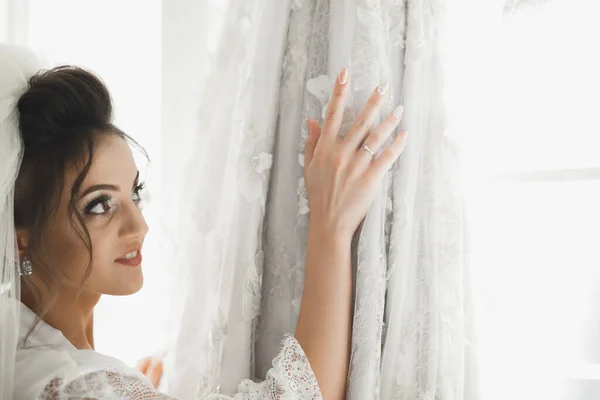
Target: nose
{"x":134,"y":224}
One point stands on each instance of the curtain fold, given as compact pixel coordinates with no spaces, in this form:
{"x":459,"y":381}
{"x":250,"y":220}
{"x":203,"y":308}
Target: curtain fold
{"x":218,"y":222}
{"x":243,"y":218}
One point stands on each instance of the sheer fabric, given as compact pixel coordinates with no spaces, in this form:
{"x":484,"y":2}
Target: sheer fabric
{"x":49,"y":368}
{"x":247,"y":216}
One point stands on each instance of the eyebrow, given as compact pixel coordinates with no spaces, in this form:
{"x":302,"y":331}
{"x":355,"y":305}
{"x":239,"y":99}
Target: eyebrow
{"x":113,"y":188}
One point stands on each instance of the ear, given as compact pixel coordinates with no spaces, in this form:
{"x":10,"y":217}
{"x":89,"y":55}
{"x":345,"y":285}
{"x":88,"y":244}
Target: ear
{"x":22,"y":242}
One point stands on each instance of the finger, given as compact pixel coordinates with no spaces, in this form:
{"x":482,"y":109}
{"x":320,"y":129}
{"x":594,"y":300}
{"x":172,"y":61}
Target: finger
{"x":314,"y":131}
{"x":143,"y":365}
{"x":335,"y":109}
{"x":365,"y":119}
{"x":155,"y":372}
{"x":389,"y":156}
{"x":378,"y":137}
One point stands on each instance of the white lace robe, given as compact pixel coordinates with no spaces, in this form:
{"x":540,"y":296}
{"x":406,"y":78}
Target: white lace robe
{"x":49,"y":367}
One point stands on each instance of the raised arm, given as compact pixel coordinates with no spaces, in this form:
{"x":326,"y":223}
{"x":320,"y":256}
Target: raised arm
{"x":342,"y":178}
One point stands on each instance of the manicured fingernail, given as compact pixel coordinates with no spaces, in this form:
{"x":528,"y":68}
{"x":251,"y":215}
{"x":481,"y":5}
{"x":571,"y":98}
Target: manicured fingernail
{"x":383,"y":88}
{"x":398,"y":112}
{"x":343,"y":76}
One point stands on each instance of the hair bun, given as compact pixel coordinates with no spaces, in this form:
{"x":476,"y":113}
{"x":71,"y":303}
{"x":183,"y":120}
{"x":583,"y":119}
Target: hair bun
{"x":63,"y":102}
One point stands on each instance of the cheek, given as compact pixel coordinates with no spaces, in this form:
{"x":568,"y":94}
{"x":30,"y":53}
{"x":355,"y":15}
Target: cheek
{"x":103,"y":236}
{"x":69,"y":252}
{"x":72,"y":255}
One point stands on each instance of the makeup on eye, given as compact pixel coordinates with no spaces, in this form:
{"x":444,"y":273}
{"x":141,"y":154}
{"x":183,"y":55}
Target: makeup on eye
{"x":139,"y":187}
{"x":101,"y":205}
{"x":104,"y":203}
{"x":110,"y":187}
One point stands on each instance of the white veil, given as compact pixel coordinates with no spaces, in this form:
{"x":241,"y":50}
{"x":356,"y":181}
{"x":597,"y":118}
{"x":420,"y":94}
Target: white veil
{"x":17,"y":65}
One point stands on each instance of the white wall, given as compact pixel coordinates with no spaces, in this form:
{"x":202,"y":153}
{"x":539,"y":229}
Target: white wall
{"x":13,"y":21}
{"x":3,"y":20}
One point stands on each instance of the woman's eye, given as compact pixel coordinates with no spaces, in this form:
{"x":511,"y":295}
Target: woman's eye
{"x":101,"y":206}
{"x":135,"y":196}
{"x":136,"y":192}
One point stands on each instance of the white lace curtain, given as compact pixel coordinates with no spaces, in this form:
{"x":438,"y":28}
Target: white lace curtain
{"x":239,"y":231}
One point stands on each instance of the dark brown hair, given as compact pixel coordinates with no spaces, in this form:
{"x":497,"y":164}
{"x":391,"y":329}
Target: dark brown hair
{"x":62,"y":113}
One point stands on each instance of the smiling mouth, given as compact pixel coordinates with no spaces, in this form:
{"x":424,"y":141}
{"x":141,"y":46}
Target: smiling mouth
{"x":133,"y":258}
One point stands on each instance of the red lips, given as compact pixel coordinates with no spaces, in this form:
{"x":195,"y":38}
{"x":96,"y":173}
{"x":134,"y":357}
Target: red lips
{"x":134,"y":261}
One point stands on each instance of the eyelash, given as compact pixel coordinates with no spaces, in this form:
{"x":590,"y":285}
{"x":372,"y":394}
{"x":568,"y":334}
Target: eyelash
{"x":138,"y":189}
{"x":102,"y":199}
{"x":105,"y":198}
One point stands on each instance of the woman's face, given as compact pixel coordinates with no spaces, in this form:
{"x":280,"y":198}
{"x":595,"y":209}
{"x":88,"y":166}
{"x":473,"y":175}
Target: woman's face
{"x":108,"y":200}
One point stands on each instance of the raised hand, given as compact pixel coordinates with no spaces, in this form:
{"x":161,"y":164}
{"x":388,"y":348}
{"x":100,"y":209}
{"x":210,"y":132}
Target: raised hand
{"x":342,"y":176}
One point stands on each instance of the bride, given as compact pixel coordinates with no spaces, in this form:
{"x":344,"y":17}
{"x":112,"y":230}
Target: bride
{"x":71,"y":230}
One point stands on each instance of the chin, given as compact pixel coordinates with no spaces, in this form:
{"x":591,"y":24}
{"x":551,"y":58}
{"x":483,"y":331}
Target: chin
{"x":128,"y":284}
{"x":133,"y":289}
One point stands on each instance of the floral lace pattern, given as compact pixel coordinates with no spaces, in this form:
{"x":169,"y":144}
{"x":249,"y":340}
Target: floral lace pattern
{"x":287,"y":208}
{"x":408,"y":339}
{"x":291,"y":378}
{"x":253,"y":287}
{"x":105,"y":384}
{"x":223,"y":289}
